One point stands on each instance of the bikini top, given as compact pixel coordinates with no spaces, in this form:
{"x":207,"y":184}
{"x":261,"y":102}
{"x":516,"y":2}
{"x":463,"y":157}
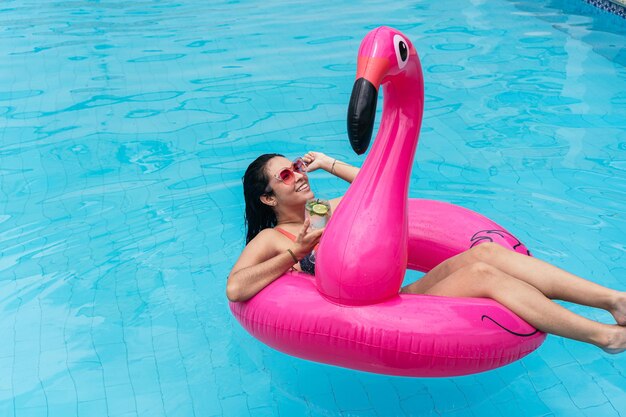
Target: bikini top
{"x":306,"y":264}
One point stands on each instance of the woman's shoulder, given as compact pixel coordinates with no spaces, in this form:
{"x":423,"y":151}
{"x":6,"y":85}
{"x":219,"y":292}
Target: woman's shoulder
{"x":263,"y":245}
{"x":268,"y":233}
{"x":265,"y":236}
{"x":261,"y":248}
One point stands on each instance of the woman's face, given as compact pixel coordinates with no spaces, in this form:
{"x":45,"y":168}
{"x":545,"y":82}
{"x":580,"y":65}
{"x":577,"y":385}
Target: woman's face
{"x":290,"y":194}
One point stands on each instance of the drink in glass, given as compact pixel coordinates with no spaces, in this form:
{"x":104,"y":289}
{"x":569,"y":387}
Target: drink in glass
{"x":317,"y":211}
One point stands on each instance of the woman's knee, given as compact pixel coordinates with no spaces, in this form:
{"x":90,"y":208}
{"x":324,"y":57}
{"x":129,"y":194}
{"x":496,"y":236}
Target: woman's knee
{"x":481,"y":269}
{"x":485,"y":275}
{"x":485,"y":252}
{"x":477,"y":279}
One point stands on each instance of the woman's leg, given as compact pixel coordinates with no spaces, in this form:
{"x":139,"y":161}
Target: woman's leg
{"x":553,"y":282}
{"x":483,"y":280}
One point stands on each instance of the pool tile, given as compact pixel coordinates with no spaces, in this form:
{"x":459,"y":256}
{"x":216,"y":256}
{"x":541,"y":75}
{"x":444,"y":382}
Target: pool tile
{"x":144,"y":374}
{"x":66,"y":409}
{"x":236,"y":406}
{"x":31,"y":412}
{"x":121,"y":399}
{"x":6,"y":403}
{"x":604,"y":410}
{"x":383,"y":397}
{"x":89,"y":384}
{"x":614,"y":388}
{"x":34,"y":398}
{"x":258,"y":395}
{"x":208,"y":403}
{"x":560,"y":401}
{"x":269,"y":411}
{"x":228,"y":381}
{"x":95,"y":408}
{"x":6,"y":364}
{"x":348,"y":391}
{"x":539,"y":373}
{"x":419,"y":404}
{"x":61,"y":398}
{"x":149,"y":403}
{"x":446,"y":395}
{"x":583,"y":392}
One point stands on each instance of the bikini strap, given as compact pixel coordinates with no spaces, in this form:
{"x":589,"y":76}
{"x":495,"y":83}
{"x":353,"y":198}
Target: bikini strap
{"x":289,"y":235}
{"x":286,"y":233}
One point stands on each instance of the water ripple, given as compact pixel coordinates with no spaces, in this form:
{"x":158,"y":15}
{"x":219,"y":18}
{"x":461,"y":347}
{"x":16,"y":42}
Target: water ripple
{"x":157,"y":58}
{"x":454,"y":46}
{"x":16,"y":95}
{"x":330,"y":39}
{"x":444,"y":68}
{"x":348,"y":68}
{"x":150,"y":156}
{"x":213,"y":80}
{"x":142,"y":113}
{"x":198,"y":43}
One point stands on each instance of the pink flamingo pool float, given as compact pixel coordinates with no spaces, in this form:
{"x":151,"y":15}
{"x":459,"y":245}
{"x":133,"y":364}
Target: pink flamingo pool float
{"x":351,"y":313}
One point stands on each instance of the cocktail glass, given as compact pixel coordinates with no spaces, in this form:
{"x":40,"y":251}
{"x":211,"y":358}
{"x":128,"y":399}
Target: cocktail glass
{"x":317,"y":211}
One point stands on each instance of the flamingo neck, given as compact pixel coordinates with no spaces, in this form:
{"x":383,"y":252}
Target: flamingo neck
{"x":395,"y":144}
{"x":364,"y":262}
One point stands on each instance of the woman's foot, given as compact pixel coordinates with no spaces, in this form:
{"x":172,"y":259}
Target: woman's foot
{"x":619,"y":309}
{"x":616,"y":340}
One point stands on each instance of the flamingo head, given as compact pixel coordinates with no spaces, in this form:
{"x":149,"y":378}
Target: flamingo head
{"x":384,"y":53}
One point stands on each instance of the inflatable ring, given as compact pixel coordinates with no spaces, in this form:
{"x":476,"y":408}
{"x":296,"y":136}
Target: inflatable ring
{"x":351,"y":313}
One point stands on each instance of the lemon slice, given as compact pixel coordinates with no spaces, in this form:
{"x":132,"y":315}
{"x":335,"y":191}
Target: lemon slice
{"x":319,"y":209}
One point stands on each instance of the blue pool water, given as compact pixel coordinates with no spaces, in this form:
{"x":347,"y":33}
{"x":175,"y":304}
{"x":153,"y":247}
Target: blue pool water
{"x":125,"y":128}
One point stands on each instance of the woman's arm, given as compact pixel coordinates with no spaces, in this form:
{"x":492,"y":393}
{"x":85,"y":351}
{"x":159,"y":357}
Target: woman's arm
{"x":343,"y":170}
{"x":263,"y":261}
{"x":244,"y":282}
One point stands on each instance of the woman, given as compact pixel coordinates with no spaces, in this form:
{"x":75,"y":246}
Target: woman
{"x":279,"y":239}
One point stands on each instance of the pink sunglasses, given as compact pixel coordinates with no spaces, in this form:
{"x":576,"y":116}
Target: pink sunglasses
{"x":287,"y":175}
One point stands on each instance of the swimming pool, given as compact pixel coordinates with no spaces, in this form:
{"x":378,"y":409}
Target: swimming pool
{"x":125,"y":129}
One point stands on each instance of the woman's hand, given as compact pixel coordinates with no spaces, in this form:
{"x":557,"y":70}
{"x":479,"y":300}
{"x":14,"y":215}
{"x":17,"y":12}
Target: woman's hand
{"x":306,"y":240}
{"x":317,"y":160}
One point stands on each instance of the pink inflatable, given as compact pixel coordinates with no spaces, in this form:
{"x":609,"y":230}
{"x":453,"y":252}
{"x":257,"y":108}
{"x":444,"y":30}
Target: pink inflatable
{"x":350,"y":314}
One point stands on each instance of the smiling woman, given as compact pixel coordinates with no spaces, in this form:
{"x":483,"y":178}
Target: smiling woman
{"x":279,"y":238}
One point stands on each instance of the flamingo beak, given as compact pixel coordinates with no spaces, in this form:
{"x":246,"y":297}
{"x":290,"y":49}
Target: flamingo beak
{"x":362,"y":107}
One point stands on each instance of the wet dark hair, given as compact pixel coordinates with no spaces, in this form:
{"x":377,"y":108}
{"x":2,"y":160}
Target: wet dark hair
{"x":258,"y":215}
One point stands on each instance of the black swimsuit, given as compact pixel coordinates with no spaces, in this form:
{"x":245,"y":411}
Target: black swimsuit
{"x":307,"y":265}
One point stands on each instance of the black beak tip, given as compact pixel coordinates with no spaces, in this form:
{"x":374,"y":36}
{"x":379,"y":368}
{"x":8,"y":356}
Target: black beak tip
{"x":361,"y":114}
{"x":359,"y":146}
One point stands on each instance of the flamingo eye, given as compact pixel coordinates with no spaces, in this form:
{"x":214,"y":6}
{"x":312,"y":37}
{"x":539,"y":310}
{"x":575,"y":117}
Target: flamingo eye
{"x":402,"y":50}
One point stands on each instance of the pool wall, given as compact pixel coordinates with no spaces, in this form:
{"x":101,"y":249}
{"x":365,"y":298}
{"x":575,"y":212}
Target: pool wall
{"x":617,"y":7}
